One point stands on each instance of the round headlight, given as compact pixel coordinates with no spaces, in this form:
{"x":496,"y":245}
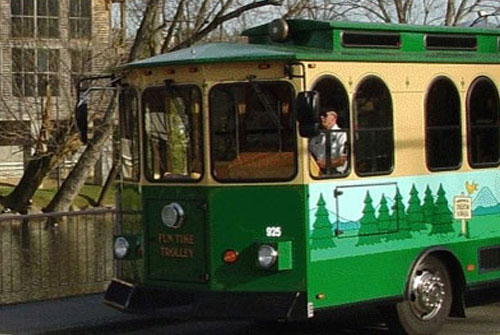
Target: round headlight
{"x":267,"y":256}
{"x":172,"y":215}
{"x":121,"y":247}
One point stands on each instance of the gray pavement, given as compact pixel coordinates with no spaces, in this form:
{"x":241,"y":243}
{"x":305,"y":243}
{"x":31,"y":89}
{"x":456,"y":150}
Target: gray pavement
{"x":87,"y":315}
{"x":77,"y":314}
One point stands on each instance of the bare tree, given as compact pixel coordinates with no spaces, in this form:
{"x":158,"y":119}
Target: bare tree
{"x":37,"y":107}
{"x":191,"y":22}
{"x":434,"y":12}
{"x":77,"y":176}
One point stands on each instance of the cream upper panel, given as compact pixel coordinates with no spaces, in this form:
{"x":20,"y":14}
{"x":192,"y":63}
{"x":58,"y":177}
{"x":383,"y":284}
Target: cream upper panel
{"x":207,"y":76}
{"x":142,"y":78}
{"x":408,"y":85}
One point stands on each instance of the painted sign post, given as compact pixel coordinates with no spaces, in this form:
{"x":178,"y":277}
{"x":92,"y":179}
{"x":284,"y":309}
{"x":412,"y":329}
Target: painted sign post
{"x":462,"y":210}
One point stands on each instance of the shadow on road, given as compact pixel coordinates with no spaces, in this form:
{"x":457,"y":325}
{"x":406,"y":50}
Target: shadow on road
{"x":331,"y":323}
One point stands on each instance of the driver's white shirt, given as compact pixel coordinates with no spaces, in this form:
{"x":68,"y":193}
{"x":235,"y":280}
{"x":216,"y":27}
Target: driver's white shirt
{"x":338,"y":140}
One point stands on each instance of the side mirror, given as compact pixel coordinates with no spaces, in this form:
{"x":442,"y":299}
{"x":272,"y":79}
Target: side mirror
{"x":308,"y":113}
{"x":81,"y":112}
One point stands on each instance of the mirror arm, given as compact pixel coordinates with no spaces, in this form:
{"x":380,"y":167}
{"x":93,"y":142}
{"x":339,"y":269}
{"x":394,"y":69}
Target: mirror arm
{"x":81,"y":108}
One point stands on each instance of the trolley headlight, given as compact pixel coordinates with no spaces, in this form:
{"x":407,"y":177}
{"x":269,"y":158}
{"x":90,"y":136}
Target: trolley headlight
{"x":172,"y":215}
{"x":267,"y":256}
{"x":121,"y":247}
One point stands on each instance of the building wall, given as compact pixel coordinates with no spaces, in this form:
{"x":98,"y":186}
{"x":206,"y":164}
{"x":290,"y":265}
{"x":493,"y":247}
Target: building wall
{"x":27,"y":108}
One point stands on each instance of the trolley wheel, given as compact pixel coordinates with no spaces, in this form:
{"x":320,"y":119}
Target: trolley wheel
{"x":428,"y":300}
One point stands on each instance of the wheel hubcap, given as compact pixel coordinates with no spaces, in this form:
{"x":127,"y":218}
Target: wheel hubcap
{"x":427,"y":294}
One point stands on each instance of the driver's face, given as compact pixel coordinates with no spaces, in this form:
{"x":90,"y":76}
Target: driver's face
{"x":328,"y":120}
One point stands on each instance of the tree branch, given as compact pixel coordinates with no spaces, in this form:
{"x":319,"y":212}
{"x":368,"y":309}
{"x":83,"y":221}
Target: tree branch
{"x":219,"y":19}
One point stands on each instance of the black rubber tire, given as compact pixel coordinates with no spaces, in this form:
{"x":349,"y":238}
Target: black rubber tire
{"x":406,"y":320}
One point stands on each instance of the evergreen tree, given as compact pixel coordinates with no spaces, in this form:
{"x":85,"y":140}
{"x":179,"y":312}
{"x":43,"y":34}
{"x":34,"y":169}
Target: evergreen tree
{"x":415,"y":212}
{"x":399,"y":216}
{"x":384,"y":220}
{"x":428,"y":207}
{"x":322,"y":236}
{"x":443,"y":217}
{"x":368,"y":231}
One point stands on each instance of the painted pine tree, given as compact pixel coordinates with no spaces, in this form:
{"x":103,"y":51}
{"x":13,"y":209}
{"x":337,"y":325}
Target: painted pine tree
{"x":322,"y":235}
{"x":399,"y":216}
{"x":428,"y":207}
{"x":443,"y":217}
{"x":415,"y":212}
{"x":385,"y":221}
{"x":368,"y":231}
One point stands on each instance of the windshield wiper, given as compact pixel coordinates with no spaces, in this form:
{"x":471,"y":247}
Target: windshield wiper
{"x":263,"y":100}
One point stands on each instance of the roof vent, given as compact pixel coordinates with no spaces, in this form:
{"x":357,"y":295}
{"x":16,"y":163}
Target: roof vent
{"x":451,"y":42}
{"x":359,"y":39}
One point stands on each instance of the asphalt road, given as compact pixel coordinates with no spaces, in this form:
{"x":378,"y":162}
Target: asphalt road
{"x":483,"y":320}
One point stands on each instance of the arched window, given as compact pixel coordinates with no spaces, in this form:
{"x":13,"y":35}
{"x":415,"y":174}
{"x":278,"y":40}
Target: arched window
{"x":482,"y":123}
{"x":443,"y":143}
{"x":373,"y":128}
{"x":330,"y":149}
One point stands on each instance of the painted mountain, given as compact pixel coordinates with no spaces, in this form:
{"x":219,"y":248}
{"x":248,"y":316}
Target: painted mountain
{"x":485,"y":203}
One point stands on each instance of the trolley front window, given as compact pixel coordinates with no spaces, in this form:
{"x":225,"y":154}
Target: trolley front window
{"x":173,"y":133}
{"x":252,"y":132}
{"x":129,"y":136}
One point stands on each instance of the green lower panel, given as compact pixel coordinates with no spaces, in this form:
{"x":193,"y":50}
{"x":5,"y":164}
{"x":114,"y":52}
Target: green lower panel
{"x":243,"y":218}
{"x":176,"y":254}
{"x":218,"y":219}
{"x":358,"y":278}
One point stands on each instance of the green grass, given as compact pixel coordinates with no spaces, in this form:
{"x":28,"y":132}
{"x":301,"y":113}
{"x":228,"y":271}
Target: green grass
{"x":87,"y":197}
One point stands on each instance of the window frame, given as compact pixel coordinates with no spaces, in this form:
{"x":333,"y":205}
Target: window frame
{"x":36,"y":18}
{"x":142,"y":135}
{"x":356,"y":129}
{"x":52,"y":70}
{"x":292,"y":176}
{"x":371,"y":39}
{"x":81,"y":65}
{"x":426,"y":127}
{"x":347,"y":131}
{"x":78,"y":18}
{"x":472,"y":86}
{"x":136,"y":142}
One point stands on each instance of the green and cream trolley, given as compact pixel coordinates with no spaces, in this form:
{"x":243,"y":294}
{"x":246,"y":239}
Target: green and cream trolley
{"x":237,"y":218}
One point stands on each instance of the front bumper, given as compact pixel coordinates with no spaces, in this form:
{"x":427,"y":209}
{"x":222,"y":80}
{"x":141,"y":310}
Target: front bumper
{"x":209,"y":304}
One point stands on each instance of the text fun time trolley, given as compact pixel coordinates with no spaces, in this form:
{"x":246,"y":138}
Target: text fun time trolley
{"x":239,"y":221}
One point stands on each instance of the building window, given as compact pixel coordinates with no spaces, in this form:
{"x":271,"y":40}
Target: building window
{"x":334,"y":138}
{"x":373,"y":128}
{"x":443,"y":141}
{"x":32,"y":18}
{"x":80,"y":18}
{"x":33,"y":70}
{"x":81,"y":65}
{"x":482,"y":123}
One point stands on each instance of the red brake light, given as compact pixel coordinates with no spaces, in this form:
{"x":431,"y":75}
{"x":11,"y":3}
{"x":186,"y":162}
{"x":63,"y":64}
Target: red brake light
{"x":230,"y":256}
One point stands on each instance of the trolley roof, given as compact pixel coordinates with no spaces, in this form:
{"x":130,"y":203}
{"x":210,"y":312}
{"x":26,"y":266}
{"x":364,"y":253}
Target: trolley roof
{"x":344,"y":41}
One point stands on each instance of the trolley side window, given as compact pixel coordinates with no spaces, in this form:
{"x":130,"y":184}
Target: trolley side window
{"x":172,"y":133}
{"x":373,"y":128}
{"x":482,"y":123}
{"x":443,"y":139}
{"x":129,"y":135}
{"x":336,"y":139}
{"x":252,"y":132}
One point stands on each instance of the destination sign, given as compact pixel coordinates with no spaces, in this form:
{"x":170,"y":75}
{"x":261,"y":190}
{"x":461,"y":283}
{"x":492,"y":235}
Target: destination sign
{"x":176,"y":245}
